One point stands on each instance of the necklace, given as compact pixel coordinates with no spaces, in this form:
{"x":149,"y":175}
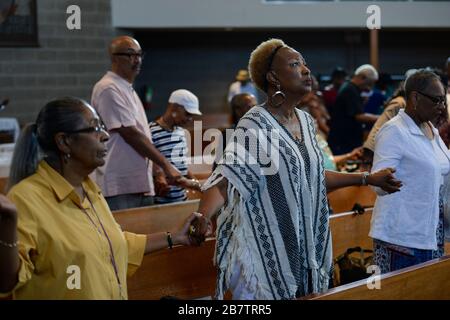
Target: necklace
{"x":284,"y":124}
{"x":100,"y":231}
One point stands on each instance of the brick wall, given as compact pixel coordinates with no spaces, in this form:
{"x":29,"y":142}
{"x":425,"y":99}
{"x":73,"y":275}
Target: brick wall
{"x":67,"y":62}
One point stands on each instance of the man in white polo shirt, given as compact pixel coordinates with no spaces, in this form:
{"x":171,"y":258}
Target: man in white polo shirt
{"x":126,"y":178}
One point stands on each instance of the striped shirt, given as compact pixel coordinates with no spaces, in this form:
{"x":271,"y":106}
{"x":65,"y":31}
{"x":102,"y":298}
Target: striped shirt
{"x":173,"y":146}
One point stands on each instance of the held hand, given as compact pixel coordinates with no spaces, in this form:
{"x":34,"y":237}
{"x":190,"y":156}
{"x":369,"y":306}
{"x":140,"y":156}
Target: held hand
{"x":182,"y":236}
{"x":189,"y":184}
{"x":161,"y":186}
{"x":385,"y":180}
{"x":200,"y":228}
{"x":8,"y":212}
{"x":195,"y":184}
{"x":356,"y":153}
{"x":173,"y":174}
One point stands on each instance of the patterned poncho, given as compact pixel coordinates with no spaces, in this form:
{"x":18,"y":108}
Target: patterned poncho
{"x":275,"y":224}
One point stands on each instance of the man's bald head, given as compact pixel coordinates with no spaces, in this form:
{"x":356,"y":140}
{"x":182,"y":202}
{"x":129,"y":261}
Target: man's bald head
{"x":126,"y":57}
{"x":121,"y":44}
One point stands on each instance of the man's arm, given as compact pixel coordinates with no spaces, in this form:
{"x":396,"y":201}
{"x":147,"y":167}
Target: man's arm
{"x":145,"y":148}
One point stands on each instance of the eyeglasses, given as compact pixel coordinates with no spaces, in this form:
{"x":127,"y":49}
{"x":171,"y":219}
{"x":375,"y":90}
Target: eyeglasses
{"x":97,"y":129}
{"x":436,"y":100}
{"x":130,"y":54}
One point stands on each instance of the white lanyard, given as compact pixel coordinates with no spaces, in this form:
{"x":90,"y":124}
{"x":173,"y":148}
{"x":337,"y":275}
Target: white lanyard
{"x":113,"y":259}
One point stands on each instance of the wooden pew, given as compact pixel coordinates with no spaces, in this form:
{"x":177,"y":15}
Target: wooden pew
{"x":155,"y":218}
{"x":183,"y":272}
{"x":350,"y":230}
{"x":343,"y":200}
{"x":425,"y":281}
{"x":347,"y":229}
{"x":188,"y":272}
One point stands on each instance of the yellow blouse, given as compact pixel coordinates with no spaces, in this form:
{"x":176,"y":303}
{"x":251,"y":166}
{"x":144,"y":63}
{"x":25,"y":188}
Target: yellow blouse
{"x":63,"y":255}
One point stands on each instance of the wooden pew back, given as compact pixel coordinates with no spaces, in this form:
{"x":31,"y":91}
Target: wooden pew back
{"x":426,"y":281}
{"x":188,"y":272}
{"x":350,"y":230}
{"x":183,"y":272}
{"x":155,"y":218}
{"x":343,"y":200}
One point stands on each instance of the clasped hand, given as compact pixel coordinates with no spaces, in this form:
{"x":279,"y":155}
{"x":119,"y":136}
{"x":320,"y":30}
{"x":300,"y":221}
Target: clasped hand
{"x":385,"y":180}
{"x":200,"y":228}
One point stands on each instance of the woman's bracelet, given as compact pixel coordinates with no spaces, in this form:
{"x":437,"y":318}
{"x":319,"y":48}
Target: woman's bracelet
{"x":364,"y":177}
{"x":9,"y":245}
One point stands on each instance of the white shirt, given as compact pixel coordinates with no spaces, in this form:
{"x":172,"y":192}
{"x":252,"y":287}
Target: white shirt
{"x":442,"y":159}
{"x":410,"y":217}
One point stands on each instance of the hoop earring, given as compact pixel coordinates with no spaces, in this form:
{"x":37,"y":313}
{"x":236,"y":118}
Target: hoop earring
{"x":66,"y":157}
{"x":278,"y":95}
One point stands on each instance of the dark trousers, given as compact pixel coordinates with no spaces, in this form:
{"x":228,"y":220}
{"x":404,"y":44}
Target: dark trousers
{"x":127,"y":201}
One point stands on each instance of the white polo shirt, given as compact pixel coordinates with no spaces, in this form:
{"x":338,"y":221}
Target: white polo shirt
{"x":410,"y":217}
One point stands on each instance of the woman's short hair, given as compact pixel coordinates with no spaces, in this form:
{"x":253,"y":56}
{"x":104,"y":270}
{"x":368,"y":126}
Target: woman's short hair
{"x":261,"y":60}
{"x":419,"y":81}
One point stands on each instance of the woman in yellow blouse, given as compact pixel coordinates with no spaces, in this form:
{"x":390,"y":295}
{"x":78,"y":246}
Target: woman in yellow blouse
{"x":64,"y":242}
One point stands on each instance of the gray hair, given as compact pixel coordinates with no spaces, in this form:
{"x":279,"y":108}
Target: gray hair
{"x":368,"y":71}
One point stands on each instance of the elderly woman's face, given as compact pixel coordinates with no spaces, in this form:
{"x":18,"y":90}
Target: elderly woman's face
{"x":291,"y":71}
{"x":430,"y":103}
{"x":88,"y":142}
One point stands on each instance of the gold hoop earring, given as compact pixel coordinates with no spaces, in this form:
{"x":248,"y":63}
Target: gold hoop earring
{"x":278,"y":95}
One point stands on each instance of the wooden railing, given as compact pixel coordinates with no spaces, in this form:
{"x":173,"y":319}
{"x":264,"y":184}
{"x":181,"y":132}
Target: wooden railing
{"x":425,"y":281}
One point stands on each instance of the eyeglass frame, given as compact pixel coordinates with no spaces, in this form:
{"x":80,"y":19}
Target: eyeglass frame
{"x":440,"y":99}
{"x":97,"y":129}
{"x":130,"y":54}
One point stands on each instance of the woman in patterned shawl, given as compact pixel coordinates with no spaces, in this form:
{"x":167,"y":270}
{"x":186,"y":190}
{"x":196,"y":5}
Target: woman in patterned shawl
{"x":273,"y":237}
